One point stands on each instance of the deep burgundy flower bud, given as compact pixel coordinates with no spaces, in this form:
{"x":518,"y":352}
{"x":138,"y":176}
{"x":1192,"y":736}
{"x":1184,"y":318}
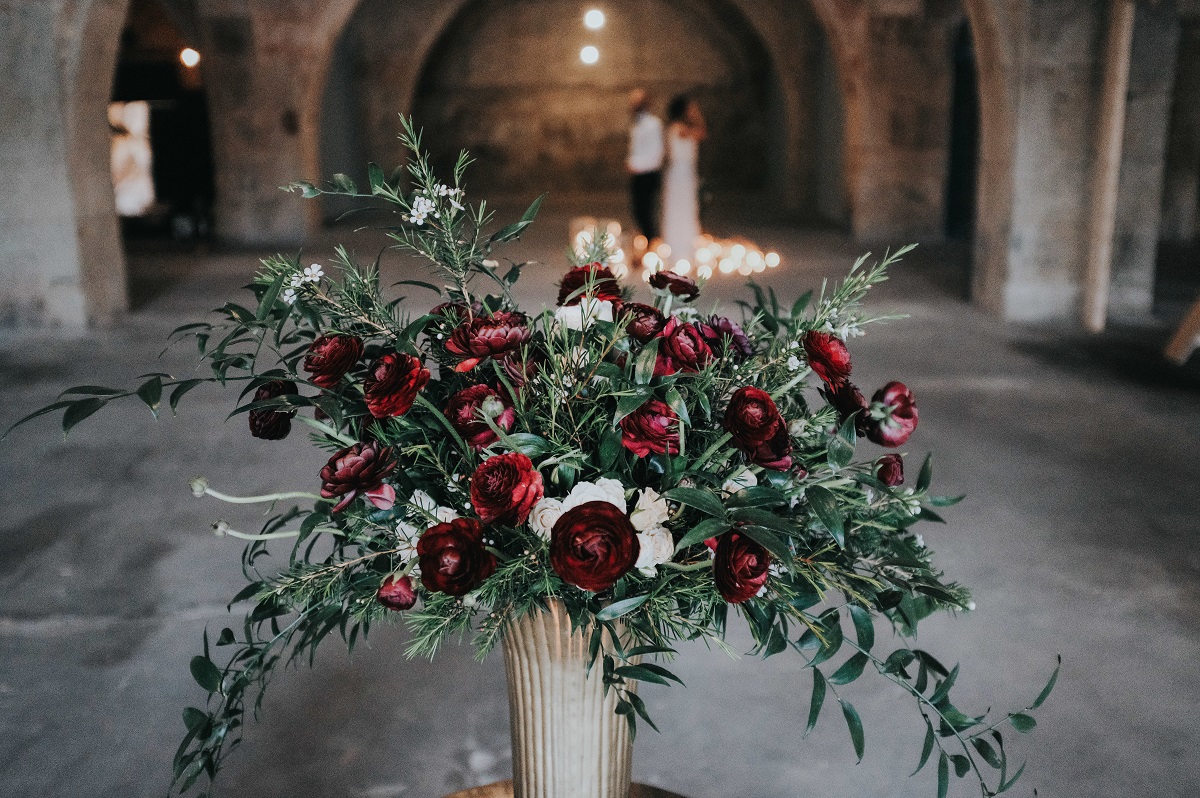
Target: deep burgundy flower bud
{"x":651,"y":429}
{"x":392,"y":384}
{"x":740,"y":567}
{"x":681,"y":348}
{"x":682,"y":287}
{"x":330,"y":357}
{"x":893,"y":415}
{"x":268,"y":424}
{"x":828,"y":357}
{"x":397,"y":594}
{"x":848,"y":400}
{"x":453,"y":557}
{"x":757,"y":428}
{"x":890,"y":469}
{"x":725,"y":336}
{"x":359,"y":469}
{"x":593,"y":545}
{"x":464,"y":410}
{"x":601,"y":284}
{"x":488,"y":336}
{"x":646,"y":322}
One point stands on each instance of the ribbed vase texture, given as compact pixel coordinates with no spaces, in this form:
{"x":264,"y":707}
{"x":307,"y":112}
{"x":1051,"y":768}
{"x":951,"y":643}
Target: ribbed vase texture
{"x":567,"y":740}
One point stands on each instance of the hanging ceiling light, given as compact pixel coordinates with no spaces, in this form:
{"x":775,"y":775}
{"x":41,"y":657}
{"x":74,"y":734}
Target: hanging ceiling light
{"x":594,"y":19}
{"x":589,"y":55}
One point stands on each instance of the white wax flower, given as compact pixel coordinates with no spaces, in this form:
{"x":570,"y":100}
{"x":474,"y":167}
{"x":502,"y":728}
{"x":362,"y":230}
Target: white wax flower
{"x":793,"y":363}
{"x":588,"y":309}
{"x":650,"y":511}
{"x":603,"y":490}
{"x":739,"y":480}
{"x":656,"y":546}
{"x":544,"y":515}
{"x":423,"y":501}
{"x":797,"y":427}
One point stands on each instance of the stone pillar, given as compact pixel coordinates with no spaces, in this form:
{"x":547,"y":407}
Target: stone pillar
{"x":1181,"y":182}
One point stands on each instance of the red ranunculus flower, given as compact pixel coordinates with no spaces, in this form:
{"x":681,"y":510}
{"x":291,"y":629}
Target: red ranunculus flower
{"x":828,"y":357}
{"x":593,"y":545}
{"x":330,"y":357}
{"x":487,"y":336}
{"x":757,"y":428}
{"x":681,"y":348}
{"x":651,"y":429}
{"x":848,"y":400}
{"x":890,"y":469}
{"x":677,"y":284}
{"x":397,"y":594}
{"x":359,"y":469}
{"x":893,"y":415}
{"x":269,"y":424}
{"x":601,"y":284}
{"x":739,"y":567}
{"x":464,"y":409}
{"x":719,"y":331}
{"x":775,"y":452}
{"x":453,"y":558}
{"x":505,"y":488}
{"x":646,"y":321}
{"x":392,"y":384}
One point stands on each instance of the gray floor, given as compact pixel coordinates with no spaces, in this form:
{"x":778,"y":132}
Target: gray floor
{"x":1079,"y":537}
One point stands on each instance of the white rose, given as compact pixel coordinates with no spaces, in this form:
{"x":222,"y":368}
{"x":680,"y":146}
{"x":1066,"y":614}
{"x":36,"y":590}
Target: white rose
{"x":650,"y":511}
{"x":423,"y":501}
{"x":589,"y":309}
{"x":656,"y":546}
{"x":739,"y":480}
{"x":445,"y":514}
{"x":406,"y":540}
{"x":604,"y":490}
{"x":544,"y":515}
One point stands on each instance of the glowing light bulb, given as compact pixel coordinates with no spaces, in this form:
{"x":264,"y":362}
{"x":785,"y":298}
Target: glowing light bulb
{"x":727,"y":265}
{"x":589,"y":55}
{"x":737,"y":251}
{"x":772,"y":260}
{"x":703,"y":256}
{"x":594,"y":19}
{"x":745,"y":270}
{"x":704,"y":271}
{"x":651,"y":261}
{"x":614,"y":228}
{"x":663,"y":250}
{"x":640,"y":243}
{"x":682,"y":266}
{"x":646,"y":274}
{"x":619,"y":270}
{"x":189,"y":57}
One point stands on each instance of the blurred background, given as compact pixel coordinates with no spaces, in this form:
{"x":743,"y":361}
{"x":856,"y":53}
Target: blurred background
{"x":1044,"y":153}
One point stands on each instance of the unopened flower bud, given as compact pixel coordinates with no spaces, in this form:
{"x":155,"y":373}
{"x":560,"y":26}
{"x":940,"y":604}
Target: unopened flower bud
{"x":221,"y":529}
{"x":199,"y":486}
{"x":492,"y":406}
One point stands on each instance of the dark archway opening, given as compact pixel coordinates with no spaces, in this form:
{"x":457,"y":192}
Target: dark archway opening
{"x":962,"y":174}
{"x":159,"y":105}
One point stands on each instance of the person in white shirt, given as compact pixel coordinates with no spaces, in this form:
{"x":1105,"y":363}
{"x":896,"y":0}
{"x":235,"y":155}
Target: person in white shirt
{"x":644,"y":163}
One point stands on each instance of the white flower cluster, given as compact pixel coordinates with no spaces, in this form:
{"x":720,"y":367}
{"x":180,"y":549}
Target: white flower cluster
{"x":842,"y":324}
{"x":421,"y":207}
{"x":311,"y":274}
{"x":648,"y":516}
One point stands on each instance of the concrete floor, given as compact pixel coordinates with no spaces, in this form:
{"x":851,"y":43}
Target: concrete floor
{"x":1079,"y":538}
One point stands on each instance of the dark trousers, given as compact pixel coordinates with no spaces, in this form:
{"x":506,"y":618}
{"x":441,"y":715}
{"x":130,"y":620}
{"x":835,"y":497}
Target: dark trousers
{"x":644,"y":189}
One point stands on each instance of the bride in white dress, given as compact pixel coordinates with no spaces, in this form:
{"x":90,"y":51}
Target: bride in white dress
{"x":681,"y":189}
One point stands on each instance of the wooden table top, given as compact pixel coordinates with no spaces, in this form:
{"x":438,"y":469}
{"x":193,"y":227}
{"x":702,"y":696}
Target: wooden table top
{"x":504,"y":789}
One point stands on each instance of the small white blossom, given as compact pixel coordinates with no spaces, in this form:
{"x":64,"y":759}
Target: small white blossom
{"x":289,"y":296}
{"x":656,"y":546}
{"x":544,"y":516}
{"x":296,"y":280}
{"x":314,"y":273}
{"x":738,"y":480}
{"x":797,"y":427}
{"x":793,"y":363}
{"x":971,"y":606}
{"x":920,"y":540}
{"x":651,"y":511}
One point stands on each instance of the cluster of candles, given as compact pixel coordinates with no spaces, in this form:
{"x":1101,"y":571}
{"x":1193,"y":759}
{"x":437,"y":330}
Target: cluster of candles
{"x":711,"y":255}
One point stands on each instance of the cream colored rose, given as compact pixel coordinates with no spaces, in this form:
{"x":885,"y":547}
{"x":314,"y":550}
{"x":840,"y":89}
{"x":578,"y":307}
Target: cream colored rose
{"x":445,"y":515}
{"x":604,"y":490}
{"x":423,"y":501}
{"x":656,"y":547}
{"x":544,"y":515}
{"x":588,"y":309}
{"x":650,"y":511}
{"x":739,"y":480}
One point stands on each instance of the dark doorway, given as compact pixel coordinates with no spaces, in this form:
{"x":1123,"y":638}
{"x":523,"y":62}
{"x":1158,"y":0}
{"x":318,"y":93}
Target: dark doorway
{"x":964,"y":139}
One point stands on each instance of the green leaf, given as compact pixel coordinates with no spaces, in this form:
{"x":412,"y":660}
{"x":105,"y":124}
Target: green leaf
{"x":1042,"y":696}
{"x":771,"y":542}
{"x":643,"y":368}
{"x":897,"y":661}
{"x":376,"y":178}
{"x":675,"y":400}
{"x":610,"y":448}
{"x":40,"y":412}
{"x":757,"y":496}
{"x":267,"y":303}
{"x":841,"y":446}
{"x":698,"y":499}
{"x":864,"y":627}
{"x":622,"y":607}
{"x":800,"y":304}
{"x":833,"y":643}
{"x":926,"y":475}
{"x":962,"y":765}
{"x":944,"y":501}
{"x":514,"y":230}
{"x":661,"y":671}
{"x":641,"y":673}
{"x":1006,"y":785}
{"x":943,"y":690}
{"x":764,"y":518}
{"x":824,"y":504}
{"x":528,"y":444}
{"x":181,"y":389}
{"x":818,"y":699}
{"x":344,"y":183}
{"x":194,"y":719}
{"x":987,"y":752}
{"x":926,"y":749}
{"x":78,"y":411}
{"x":854,"y":723}
{"x":1022,"y":722}
{"x":851,"y":669}
{"x":943,"y":775}
{"x":206,"y":674}
{"x":639,"y":707}
{"x":708,"y":528}
{"x":150,"y":392}
{"x":629,"y":402}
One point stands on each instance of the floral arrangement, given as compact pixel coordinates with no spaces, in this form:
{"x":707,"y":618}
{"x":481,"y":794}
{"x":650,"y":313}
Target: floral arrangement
{"x":650,"y":466}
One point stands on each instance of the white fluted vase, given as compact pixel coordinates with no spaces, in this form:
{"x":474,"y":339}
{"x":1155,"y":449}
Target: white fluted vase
{"x":567,"y":740}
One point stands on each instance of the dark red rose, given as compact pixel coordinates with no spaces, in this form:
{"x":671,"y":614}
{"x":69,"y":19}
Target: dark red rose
{"x":651,"y":429}
{"x":677,"y":284}
{"x":890,"y":470}
{"x":505,"y":488}
{"x":893,"y":415}
{"x":397,"y":594}
{"x":681,"y":348}
{"x":775,"y":452}
{"x":593,"y":545}
{"x":739,"y":567}
{"x":268,"y":424}
{"x":464,"y":410}
{"x":646,"y":321}
{"x":757,"y":428}
{"x":848,"y":400}
{"x":600,"y":282}
{"x":828,"y":357}
{"x":359,"y":469}
{"x":487,"y":336}
{"x":330,"y":357}
{"x":453,"y":558}
{"x":726,"y":336}
{"x":392,"y":383}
